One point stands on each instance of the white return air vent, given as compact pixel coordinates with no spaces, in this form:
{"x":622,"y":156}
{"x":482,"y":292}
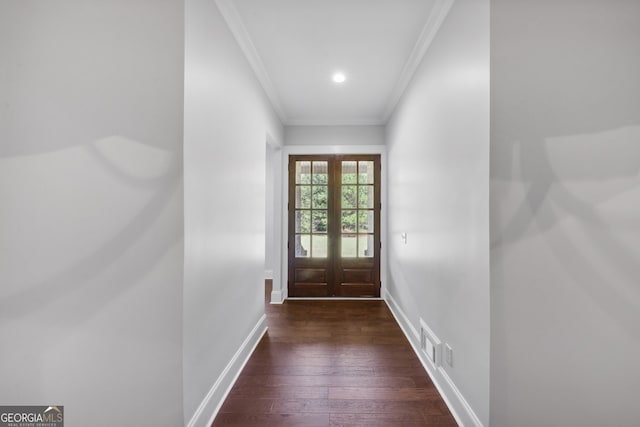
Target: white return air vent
{"x":430,"y":345}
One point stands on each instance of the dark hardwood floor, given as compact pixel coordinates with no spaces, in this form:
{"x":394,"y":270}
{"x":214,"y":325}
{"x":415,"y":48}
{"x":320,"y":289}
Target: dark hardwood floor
{"x":333,"y":363}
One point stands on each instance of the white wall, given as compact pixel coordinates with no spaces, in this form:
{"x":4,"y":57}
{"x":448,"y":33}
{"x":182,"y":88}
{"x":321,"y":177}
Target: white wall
{"x":565,"y":203}
{"x":273,"y":206}
{"x":334,"y":135}
{"x":227,"y":119}
{"x":438,"y":145}
{"x":91,"y":247}
{"x":275,"y":222}
{"x":270,"y":188}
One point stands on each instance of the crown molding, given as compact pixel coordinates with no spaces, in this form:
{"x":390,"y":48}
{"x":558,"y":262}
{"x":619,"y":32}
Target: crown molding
{"x":240,"y":33}
{"x":364,"y":121}
{"x":437,"y":16}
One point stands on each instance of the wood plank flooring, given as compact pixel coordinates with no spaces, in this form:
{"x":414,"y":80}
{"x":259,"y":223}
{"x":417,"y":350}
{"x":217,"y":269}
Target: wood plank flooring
{"x":333,"y":363}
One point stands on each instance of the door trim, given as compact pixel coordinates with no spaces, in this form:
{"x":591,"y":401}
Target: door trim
{"x":283,"y":213}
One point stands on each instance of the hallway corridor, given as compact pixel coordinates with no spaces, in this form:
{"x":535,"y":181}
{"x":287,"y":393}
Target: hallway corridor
{"x":333,"y":363}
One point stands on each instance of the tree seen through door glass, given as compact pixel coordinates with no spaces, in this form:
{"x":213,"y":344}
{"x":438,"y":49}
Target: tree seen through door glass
{"x":349,"y":196}
{"x":349,"y":172}
{"x":303,"y":222}
{"x":365,"y":172}
{"x":319,"y":222}
{"x":349,"y":221}
{"x":365,"y":197}
{"x":303,"y":196}
{"x":365,"y":221}
{"x":311,"y":203}
{"x":303,"y":172}
{"x":303,"y":244}
{"x":320,"y":173}
{"x":357,"y":204}
{"x":319,"y":197}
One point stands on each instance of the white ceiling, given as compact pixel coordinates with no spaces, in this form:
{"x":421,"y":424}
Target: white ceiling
{"x":296,"y":45}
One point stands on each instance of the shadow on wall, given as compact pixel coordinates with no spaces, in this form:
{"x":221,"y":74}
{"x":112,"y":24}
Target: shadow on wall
{"x":562,"y":202}
{"x":397,"y":281}
{"x":565,"y":151}
{"x":154,"y":172}
{"x":87,"y":228}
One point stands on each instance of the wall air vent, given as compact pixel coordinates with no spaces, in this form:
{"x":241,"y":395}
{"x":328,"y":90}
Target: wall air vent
{"x":430,"y":345}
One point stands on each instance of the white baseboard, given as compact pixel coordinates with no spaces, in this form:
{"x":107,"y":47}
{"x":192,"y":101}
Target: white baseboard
{"x":277,"y":297}
{"x":335,"y":299}
{"x":211,"y":404}
{"x":459,"y":407}
{"x":268,"y":274}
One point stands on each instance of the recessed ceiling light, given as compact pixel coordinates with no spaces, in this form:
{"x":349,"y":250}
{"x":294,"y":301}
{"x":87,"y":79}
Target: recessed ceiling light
{"x":339,"y":77}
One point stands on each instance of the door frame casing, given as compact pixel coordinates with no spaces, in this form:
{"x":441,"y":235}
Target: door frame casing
{"x":279,"y":295}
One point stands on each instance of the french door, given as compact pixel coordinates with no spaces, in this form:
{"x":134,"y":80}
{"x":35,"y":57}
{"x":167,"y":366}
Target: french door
{"x":334,"y":226}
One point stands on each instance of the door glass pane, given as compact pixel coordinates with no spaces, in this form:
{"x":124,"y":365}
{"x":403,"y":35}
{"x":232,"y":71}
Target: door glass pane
{"x":349,"y":195}
{"x":349,"y":172}
{"x":349,"y":246}
{"x":320,"y":195}
{"x":365,"y":172}
{"x":303,"y":172}
{"x":319,"y":245}
{"x":303,"y":196}
{"x":319,"y":222}
{"x":365,"y":197}
{"x":349,"y":221}
{"x":365,"y":246}
{"x":303,"y":222}
{"x":303,"y":245}
{"x":365,"y":221}
{"x":320,"y":173}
